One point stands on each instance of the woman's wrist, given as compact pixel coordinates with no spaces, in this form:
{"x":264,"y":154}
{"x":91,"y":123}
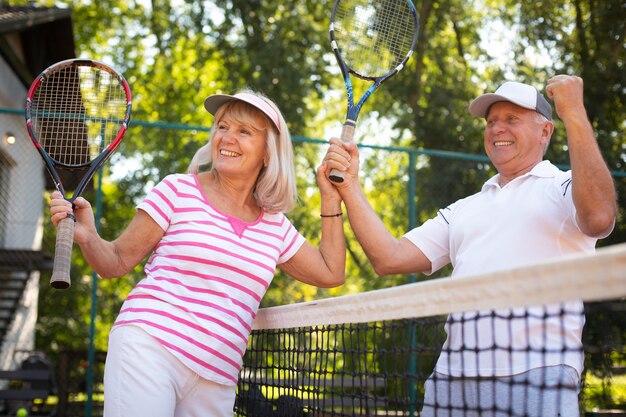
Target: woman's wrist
{"x":337,"y":214}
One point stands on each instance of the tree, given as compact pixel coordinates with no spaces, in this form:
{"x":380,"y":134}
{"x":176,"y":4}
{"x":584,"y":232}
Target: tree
{"x":173,"y":57}
{"x":176,"y":54}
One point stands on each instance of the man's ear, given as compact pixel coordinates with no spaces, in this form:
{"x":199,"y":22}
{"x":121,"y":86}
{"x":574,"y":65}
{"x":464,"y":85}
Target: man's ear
{"x":546,"y":132}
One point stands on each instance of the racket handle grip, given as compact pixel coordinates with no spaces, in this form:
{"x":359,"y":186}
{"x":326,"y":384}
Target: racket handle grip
{"x":347,"y":133}
{"x":63,"y":254}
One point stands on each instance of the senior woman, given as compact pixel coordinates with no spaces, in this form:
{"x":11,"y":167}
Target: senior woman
{"x":215,"y":236}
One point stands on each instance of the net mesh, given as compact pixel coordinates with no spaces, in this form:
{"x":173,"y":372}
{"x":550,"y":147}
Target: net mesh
{"x":386,"y":353}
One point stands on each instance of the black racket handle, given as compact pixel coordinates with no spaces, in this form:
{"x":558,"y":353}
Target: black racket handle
{"x":347,"y":133}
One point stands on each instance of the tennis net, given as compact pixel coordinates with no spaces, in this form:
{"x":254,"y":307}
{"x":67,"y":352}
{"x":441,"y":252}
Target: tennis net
{"x":386,"y":353}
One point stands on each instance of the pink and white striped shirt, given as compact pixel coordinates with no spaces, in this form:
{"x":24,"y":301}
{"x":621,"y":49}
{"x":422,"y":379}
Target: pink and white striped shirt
{"x":206,"y":277}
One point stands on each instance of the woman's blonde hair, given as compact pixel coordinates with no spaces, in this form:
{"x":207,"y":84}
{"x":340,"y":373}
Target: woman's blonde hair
{"x":275,"y":189}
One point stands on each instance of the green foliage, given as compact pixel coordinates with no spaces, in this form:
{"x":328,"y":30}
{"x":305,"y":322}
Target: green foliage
{"x":586,"y":38}
{"x":174,"y":54}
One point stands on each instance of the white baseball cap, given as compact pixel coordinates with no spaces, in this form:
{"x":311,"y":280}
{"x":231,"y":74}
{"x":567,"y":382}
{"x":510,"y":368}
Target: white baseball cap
{"x":523,"y":95}
{"x":215,"y":101}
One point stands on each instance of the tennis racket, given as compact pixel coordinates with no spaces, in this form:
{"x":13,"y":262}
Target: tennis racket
{"x":372,"y":40}
{"x":77,"y":112}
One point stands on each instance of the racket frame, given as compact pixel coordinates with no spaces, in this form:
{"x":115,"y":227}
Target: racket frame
{"x":65,"y":231}
{"x":353,"y":110}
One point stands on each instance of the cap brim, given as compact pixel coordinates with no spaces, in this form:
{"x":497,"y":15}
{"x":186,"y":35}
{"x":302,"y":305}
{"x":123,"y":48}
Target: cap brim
{"x":480,"y":105}
{"x":214,"y":102}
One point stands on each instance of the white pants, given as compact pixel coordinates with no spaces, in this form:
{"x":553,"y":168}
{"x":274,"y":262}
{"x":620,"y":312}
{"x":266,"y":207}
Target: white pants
{"x":141,"y":378}
{"x":543,"y":392}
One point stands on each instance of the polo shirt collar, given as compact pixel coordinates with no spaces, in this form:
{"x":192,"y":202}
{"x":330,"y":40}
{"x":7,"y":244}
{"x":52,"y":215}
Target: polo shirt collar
{"x":543,"y":169}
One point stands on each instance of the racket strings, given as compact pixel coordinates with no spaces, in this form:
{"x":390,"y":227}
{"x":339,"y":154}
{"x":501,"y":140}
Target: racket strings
{"x":77,"y":112}
{"x":374,"y":37}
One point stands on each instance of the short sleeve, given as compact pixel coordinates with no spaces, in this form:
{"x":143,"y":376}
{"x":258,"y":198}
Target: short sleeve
{"x":433,"y":239}
{"x":160,"y":201}
{"x":292,"y":241}
{"x":564,"y":184}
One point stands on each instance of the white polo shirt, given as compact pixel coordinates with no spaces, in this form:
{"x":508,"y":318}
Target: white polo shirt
{"x":530,"y":219}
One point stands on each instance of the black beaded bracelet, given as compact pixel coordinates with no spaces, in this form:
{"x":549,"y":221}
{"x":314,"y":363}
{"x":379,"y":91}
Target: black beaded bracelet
{"x":332,"y":215}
